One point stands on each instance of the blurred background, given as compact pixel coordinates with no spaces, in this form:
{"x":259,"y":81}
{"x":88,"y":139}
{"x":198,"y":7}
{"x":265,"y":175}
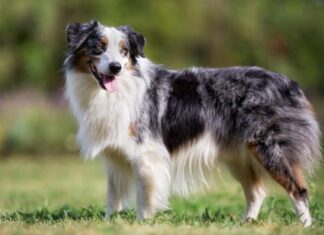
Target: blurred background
{"x":283,"y":36}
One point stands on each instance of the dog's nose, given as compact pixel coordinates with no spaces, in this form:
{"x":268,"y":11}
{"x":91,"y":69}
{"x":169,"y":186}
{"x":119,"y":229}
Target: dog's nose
{"x":114,"y":67}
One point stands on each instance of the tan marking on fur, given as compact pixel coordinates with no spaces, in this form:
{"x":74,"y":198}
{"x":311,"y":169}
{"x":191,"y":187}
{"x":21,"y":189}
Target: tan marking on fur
{"x":281,"y":179}
{"x":250,"y":172}
{"x":300,"y":179}
{"x":130,"y":65}
{"x":148,"y":184}
{"x":132,"y":130}
{"x":122,"y":44}
{"x":311,"y":109}
{"x":118,"y":157}
{"x":105,"y":41}
{"x":247,"y":171}
{"x":81,"y":60}
{"x":292,"y":186}
{"x":81,"y":63}
{"x":253,"y":176}
{"x":251,"y":146}
{"x":251,"y":166}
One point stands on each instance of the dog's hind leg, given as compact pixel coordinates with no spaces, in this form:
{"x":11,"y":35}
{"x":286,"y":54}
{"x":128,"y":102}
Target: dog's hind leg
{"x":250,"y":179}
{"x":287,"y":174}
{"x":152,"y":171}
{"x":119,"y":174}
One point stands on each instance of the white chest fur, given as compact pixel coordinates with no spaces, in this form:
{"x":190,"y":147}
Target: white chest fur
{"x":104,"y":118}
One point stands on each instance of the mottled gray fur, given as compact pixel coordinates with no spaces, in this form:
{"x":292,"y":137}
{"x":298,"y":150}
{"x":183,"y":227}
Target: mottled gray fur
{"x":241,"y":105}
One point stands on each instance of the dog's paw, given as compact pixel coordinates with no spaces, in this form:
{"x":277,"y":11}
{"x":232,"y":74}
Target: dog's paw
{"x":249,"y":221}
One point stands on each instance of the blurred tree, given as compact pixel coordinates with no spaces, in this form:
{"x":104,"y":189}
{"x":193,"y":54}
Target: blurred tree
{"x":284,"y":36}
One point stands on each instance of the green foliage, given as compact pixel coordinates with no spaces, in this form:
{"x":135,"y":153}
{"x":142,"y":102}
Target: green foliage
{"x":284,"y":36}
{"x":278,"y":212}
{"x":221,"y":217}
{"x":64,"y":213}
{"x":35,"y":126}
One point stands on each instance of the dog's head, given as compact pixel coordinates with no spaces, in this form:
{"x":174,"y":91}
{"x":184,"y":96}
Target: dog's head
{"x":104,"y":52}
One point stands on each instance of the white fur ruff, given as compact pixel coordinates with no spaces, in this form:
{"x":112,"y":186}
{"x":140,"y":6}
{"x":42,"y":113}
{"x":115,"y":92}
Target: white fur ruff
{"x":104,"y":121}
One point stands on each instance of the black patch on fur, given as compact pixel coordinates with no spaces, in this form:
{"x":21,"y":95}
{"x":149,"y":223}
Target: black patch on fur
{"x":183,"y":120}
{"x":155,"y":94}
{"x":303,"y":194}
{"x":78,"y":33}
{"x":136,"y":42}
{"x":154,"y":110}
{"x":94,"y":44}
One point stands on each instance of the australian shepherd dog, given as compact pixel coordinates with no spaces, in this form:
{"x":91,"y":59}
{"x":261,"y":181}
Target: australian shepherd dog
{"x":166,"y":130}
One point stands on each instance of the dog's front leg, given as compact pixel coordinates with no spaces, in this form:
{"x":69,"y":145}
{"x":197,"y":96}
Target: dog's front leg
{"x":152,"y":171}
{"x":119,"y":174}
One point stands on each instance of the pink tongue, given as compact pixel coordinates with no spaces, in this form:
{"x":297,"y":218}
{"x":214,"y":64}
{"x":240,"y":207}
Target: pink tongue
{"x":111,"y":85}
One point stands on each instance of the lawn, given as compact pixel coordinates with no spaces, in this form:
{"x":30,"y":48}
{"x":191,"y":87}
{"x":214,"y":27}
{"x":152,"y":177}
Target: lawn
{"x":66,"y":195}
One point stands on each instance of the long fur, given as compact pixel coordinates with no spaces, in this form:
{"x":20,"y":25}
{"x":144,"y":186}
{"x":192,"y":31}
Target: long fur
{"x":170,"y":128}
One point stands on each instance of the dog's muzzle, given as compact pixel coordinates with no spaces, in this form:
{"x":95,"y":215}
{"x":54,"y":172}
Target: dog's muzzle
{"x":106,"y":82}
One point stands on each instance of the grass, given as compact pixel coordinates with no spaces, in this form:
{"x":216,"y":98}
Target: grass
{"x":65,"y":195}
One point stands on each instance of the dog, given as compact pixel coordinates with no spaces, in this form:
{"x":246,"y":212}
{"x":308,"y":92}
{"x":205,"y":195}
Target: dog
{"x":165,"y":130}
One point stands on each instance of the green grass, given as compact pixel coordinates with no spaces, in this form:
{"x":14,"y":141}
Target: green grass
{"x":65,"y":195}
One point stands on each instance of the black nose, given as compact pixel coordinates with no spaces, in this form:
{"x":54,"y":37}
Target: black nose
{"x":114,"y":67}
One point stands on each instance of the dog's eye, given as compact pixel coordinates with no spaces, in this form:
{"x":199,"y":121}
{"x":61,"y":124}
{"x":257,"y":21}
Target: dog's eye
{"x":95,"y":47}
{"x":96,"y":51}
{"x":124,"y":51}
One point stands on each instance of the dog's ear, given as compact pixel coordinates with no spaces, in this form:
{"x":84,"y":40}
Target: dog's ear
{"x":77,"y":33}
{"x":136,"y":42}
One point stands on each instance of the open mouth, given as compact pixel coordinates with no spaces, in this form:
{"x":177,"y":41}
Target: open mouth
{"x":106,"y":82}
